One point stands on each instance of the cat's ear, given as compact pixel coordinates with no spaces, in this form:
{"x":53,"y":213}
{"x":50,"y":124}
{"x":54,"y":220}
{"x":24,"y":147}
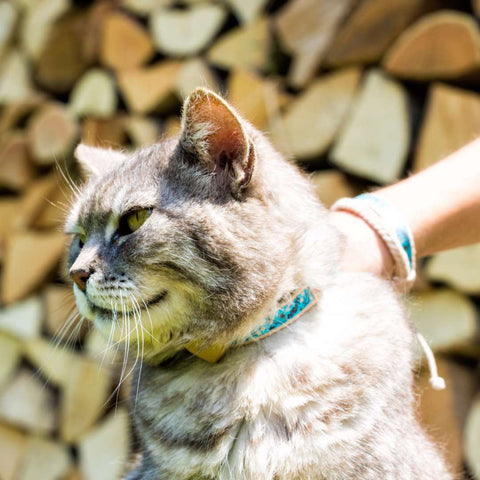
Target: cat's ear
{"x":213,"y":133}
{"x":95,"y":161}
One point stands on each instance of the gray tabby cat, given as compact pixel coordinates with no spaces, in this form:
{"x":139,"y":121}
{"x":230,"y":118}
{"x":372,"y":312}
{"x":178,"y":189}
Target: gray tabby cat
{"x":193,"y":243}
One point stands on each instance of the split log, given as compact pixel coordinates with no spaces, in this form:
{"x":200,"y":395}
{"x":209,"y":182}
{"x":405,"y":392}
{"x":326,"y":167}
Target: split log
{"x":125,"y":43}
{"x":33,"y":201}
{"x":448,"y":321}
{"x":371,"y":29}
{"x":306,"y":29}
{"x":243,"y":47}
{"x":312,"y":120}
{"x":52,"y":131}
{"x":8,"y":17}
{"x":10,"y":348}
{"x":16,"y":166}
{"x":15,"y":82}
{"x":94,"y":95}
{"x":44,"y":459}
{"x":375,"y":139}
{"x":54,"y":212}
{"x":476,"y":7}
{"x":172,"y":127}
{"x":14,"y":114}
{"x":12,"y":451}
{"x":148,"y":89}
{"x":192,"y":74}
{"x":180,"y":33}
{"x":104,"y":133}
{"x":23,"y":320}
{"x":84,"y":398}
{"x":420,"y":53}
{"x":54,"y":362}
{"x":458,"y":267}
{"x":8,"y":214}
{"x":331,"y":185}
{"x":24,"y":268}
{"x":443,"y":413}
{"x":247,"y":11}
{"x":37,"y":22}
{"x":26,"y":403}
{"x":472,"y":438}
{"x":62,"y":320}
{"x":451,"y":121}
{"x":142,"y":130}
{"x":104,"y":450}
{"x":144,"y":7}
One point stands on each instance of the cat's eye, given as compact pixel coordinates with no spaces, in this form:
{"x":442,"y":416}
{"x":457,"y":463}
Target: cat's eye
{"x":132,"y":221}
{"x":82,"y":238}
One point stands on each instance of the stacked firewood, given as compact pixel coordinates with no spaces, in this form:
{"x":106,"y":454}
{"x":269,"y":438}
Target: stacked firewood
{"x":359,"y":92}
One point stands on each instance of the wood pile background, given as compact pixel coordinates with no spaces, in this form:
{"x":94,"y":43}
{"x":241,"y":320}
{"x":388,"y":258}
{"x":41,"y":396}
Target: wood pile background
{"x":359,"y":92}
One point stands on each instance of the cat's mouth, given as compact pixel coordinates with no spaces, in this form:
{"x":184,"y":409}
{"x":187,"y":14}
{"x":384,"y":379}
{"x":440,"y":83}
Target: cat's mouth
{"x":126,"y":310}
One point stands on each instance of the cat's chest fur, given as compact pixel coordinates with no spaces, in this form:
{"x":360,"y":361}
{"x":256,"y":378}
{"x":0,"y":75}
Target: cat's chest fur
{"x":302,"y":403}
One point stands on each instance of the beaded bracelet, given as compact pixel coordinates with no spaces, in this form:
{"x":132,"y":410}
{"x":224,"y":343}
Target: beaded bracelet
{"x":393,"y":230}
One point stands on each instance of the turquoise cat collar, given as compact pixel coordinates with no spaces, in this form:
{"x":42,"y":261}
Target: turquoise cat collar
{"x":390,"y":226}
{"x":288,"y":313}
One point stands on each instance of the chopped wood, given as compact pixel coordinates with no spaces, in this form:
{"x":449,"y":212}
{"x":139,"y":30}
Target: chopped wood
{"x":443,"y":413}
{"x":185,"y":32}
{"x":144,"y":7}
{"x":8,"y":213}
{"x":53,"y":361}
{"x":306,"y":29}
{"x":451,"y":121}
{"x":37,"y":23}
{"x":375,"y":139}
{"x":312,"y":120}
{"x":61,"y":316}
{"x":142,"y":130}
{"x":109,"y":132}
{"x":16,"y":166}
{"x":94,"y":95}
{"x":84,"y":398}
{"x":247,"y":10}
{"x":8,"y":19}
{"x":243,"y":47}
{"x":472,"y":438}
{"x":52,"y":131}
{"x":23,"y":320}
{"x":195,"y":73}
{"x":29,"y":258}
{"x":10,"y":348}
{"x":125,"y":42}
{"x":371,"y":29}
{"x":104,"y":450}
{"x":458,"y":267}
{"x":476,"y":7}
{"x":34,"y":200}
{"x":257,"y":99}
{"x":54,"y":212}
{"x":447,"y":319}
{"x":12,"y":451}
{"x":331,"y":185}
{"x":12,"y":115}
{"x":151,"y":88}
{"x":420,"y":53}
{"x":44,"y":459}
{"x":172,"y":126}
{"x":15,"y":82}
{"x":26,"y":403}
{"x":65,"y":55}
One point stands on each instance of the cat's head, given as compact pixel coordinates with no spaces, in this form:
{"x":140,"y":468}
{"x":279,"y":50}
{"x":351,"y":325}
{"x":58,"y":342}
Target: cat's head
{"x":188,"y":239}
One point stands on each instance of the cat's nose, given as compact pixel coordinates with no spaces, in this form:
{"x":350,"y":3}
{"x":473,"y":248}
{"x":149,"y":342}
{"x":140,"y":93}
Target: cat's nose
{"x":80,"y":277}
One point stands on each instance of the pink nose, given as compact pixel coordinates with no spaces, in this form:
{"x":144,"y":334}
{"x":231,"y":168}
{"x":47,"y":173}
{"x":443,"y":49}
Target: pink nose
{"x":80,"y":277}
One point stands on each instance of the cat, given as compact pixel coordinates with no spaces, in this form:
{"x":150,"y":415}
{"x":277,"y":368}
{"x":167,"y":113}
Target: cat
{"x":182,"y":250}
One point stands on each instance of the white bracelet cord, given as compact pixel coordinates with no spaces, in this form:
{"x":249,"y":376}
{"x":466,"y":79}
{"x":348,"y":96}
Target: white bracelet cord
{"x":404,"y":269}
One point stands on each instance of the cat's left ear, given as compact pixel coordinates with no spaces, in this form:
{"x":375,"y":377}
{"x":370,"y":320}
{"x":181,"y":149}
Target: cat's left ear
{"x":95,"y":161}
{"x":213,"y":133}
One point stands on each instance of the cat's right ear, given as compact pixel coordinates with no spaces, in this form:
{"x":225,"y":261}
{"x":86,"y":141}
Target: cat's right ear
{"x":95,"y":161}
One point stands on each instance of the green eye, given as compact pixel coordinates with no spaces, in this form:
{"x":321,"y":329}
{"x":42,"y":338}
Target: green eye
{"x":132,"y":221}
{"x":82,"y":238}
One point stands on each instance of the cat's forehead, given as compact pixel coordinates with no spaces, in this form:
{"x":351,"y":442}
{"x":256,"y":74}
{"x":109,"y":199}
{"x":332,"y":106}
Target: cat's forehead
{"x":134,"y":184}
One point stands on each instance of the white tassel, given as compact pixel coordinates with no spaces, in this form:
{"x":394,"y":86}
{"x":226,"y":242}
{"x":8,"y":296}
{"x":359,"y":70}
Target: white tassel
{"x":437,"y":383}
